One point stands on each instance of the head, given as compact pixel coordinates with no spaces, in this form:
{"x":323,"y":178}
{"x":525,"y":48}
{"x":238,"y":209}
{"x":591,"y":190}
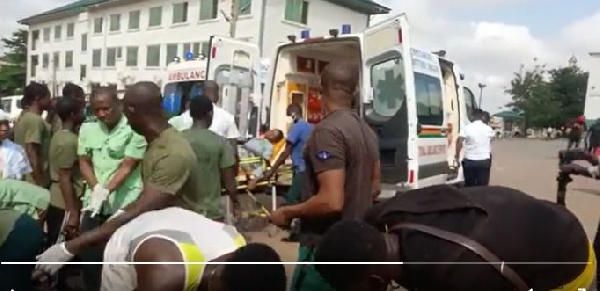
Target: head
{"x":274,"y":136}
{"x":73,"y":91}
{"x":254,"y":277}
{"x":143,"y":106}
{"x":354,"y":241}
{"x":486,"y":117}
{"x":338,"y":84}
{"x":211,"y":90}
{"x":478,"y":114}
{"x":201,"y":109}
{"x":4,"y":129}
{"x":70,"y":110}
{"x":36,"y":95}
{"x":294,"y":111}
{"x":106,"y":106}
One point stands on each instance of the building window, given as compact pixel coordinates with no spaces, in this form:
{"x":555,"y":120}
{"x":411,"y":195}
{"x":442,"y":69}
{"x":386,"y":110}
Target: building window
{"x":171,"y":52}
{"x":132,"y":56}
{"x":134,"y":19}
{"x":209,"y":9}
{"x":153,"y":55}
{"x":155,"y":18}
{"x":98,"y":25}
{"x":180,"y":12}
{"x":46,"y":34}
{"x":45,"y":61}
{"x":57,"y":32}
{"x":35,"y":36}
{"x":69,"y":59}
{"x":56,"y":60}
{"x":200,"y":48}
{"x":244,"y":7}
{"x":296,"y":11}
{"x":115,"y":22}
{"x":96,"y":58}
{"x":34,"y":63}
{"x":82,"y":72}
{"x":429,"y":100}
{"x":111,"y":57}
{"x":70,"y":30}
{"x":84,"y":41}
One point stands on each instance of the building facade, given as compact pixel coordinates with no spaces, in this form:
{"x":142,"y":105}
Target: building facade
{"x":120,"y":42}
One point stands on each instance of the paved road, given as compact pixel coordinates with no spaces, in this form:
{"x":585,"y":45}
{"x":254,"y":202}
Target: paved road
{"x":524,"y":164}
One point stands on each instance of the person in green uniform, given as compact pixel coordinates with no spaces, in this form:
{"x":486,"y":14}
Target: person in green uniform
{"x":22,"y":207}
{"x":169,"y":173}
{"x":66,"y":183}
{"x":215,"y":158}
{"x":32,"y":133}
{"x":70,"y":90}
{"x":109,"y":153}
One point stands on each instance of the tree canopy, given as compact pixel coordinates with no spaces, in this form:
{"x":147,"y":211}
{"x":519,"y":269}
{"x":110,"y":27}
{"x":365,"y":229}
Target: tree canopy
{"x":549,"y":97}
{"x":13,"y":72}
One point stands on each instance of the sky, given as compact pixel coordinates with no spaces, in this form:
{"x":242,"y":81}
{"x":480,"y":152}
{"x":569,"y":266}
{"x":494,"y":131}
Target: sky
{"x":488,"y":39}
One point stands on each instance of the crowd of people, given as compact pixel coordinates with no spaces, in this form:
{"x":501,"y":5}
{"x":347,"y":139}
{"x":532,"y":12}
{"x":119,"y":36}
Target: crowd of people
{"x":132,"y":186}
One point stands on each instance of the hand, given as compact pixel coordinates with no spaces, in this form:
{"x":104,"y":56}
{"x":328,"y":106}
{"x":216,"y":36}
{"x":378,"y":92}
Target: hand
{"x":279,"y":218}
{"x":57,"y":253}
{"x":99,"y":195}
{"x":252,"y":184}
{"x":71,"y":227}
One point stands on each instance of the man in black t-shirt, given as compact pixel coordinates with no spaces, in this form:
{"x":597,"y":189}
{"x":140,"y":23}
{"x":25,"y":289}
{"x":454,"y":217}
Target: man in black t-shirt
{"x":454,"y":240}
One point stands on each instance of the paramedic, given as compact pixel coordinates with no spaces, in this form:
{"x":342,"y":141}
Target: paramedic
{"x":468,"y":225}
{"x":32,"y":132}
{"x":342,"y":171}
{"x":215,"y":159}
{"x":22,"y":210}
{"x":185,"y":236}
{"x":169,"y":171}
{"x":477,"y":137}
{"x":109,"y":154}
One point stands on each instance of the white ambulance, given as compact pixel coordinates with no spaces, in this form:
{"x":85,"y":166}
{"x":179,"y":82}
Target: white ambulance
{"x":414,"y":100}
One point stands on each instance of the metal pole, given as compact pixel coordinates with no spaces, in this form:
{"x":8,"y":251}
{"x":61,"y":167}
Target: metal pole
{"x":261,"y":31}
{"x":480,"y":95}
{"x":234,"y":18}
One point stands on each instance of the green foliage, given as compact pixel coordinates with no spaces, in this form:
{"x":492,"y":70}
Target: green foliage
{"x":549,"y":98}
{"x":13,"y":74}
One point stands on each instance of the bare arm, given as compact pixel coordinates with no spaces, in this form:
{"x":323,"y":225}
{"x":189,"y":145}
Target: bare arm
{"x":66,"y":188}
{"x":229,"y":183}
{"x":127,"y":166}
{"x":87,"y":171}
{"x":150,"y":199}
{"x":459,"y":146}
{"x":236,"y":166}
{"x":287,"y":151}
{"x":328,"y":200}
{"x":34,"y":154}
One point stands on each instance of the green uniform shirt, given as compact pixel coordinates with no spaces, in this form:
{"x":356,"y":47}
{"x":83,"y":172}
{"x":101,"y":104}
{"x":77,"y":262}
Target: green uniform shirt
{"x":107,"y":149}
{"x":8,"y":217}
{"x":24,"y":197}
{"x":170,"y":167}
{"x":55,"y":125}
{"x":31,"y":128}
{"x":213,"y":153}
{"x":63,"y":155}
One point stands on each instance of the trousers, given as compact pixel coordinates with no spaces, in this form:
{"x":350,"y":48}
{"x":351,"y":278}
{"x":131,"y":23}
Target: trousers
{"x":477,"y":173}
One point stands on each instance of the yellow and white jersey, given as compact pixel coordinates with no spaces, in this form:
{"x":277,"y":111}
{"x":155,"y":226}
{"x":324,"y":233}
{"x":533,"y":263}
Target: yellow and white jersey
{"x":198,"y":238}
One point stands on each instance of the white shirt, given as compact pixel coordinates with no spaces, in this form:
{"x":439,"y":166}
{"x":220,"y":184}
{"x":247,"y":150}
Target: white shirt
{"x":223,"y":123}
{"x":13,"y":161}
{"x":213,"y":239}
{"x":477,"y":136}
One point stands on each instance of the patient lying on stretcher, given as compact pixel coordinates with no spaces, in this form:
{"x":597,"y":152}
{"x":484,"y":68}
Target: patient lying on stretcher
{"x":256,"y":151}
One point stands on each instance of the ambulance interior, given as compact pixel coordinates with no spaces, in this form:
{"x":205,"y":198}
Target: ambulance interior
{"x":297,"y":77}
{"x":451,"y":107}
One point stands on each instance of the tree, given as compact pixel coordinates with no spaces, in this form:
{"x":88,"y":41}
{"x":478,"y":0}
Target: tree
{"x":548,"y":98}
{"x":13,"y":74}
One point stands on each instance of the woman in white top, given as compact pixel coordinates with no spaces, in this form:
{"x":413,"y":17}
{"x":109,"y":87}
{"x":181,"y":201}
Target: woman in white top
{"x":13,"y":160}
{"x":178,"y":235}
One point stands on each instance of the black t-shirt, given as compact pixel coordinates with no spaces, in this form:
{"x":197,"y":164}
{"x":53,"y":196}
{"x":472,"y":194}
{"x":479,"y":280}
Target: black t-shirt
{"x":340,"y":141}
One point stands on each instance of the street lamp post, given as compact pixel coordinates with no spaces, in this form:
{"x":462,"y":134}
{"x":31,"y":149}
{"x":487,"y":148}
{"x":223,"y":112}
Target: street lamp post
{"x":481,"y":86}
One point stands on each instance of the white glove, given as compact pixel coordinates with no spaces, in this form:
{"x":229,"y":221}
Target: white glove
{"x":99,"y":195}
{"x":57,"y":253}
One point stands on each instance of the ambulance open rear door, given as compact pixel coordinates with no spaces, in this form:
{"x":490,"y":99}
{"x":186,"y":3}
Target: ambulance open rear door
{"x":233,"y":65}
{"x":386,"y":106}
